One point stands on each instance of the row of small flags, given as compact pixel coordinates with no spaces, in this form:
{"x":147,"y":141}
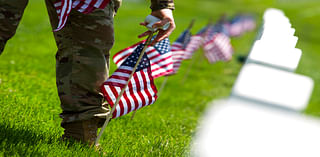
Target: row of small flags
{"x":164,"y":59}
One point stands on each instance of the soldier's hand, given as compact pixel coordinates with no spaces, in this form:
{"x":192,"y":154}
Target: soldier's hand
{"x":165,"y":15}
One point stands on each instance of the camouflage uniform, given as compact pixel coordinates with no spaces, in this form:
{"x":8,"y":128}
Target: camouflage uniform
{"x":82,"y":60}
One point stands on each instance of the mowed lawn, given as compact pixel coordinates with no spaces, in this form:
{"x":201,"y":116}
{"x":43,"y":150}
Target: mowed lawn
{"x":29,"y":121}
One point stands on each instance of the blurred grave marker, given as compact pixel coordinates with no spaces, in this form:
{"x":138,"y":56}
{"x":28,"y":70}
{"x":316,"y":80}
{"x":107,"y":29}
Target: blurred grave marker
{"x":262,"y":117}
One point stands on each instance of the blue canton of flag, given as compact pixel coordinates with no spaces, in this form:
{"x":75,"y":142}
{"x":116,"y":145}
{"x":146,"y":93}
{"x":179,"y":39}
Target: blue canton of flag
{"x":160,"y":57}
{"x":202,"y":30}
{"x":236,"y":26}
{"x":184,"y":38}
{"x":133,"y":58}
{"x":210,"y":34}
{"x":221,"y":28}
{"x":163,"y":46}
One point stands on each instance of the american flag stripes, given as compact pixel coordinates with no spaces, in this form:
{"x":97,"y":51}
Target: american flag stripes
{"x":240,"y":24}
{"x":218,"y":48}
{"x":141,"y":90}
{"x":236,"y":26}
{"x":64,"y":7}
{"x":178,"y":49}
{"x":195,"y":42}
{"x":160,"y":57}
{"x":249,"y":23}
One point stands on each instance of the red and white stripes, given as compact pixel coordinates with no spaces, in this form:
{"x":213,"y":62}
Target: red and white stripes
{"x":140,"y":92}
{"x":64,"y":7}
{"x":218,"y":48}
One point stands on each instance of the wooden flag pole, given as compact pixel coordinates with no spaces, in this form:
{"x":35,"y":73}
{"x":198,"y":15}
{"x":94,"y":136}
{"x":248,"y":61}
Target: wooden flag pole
{"x":188,"y":70}
{"x":148,"y":41}
{"x":191,"y":24}
{"x":164,"y":82}
{"x":166,"y":78}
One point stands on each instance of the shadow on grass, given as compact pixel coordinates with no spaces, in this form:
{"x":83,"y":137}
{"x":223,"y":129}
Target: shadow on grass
{"x":23,"y":141}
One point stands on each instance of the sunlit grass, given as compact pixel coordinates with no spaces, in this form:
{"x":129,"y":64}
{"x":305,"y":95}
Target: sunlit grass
{"x":30,"y":125}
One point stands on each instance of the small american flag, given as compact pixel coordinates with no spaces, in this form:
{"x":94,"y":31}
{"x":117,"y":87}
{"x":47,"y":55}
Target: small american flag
{"x":141,"y":90}
{"x":195,"y":42}
{"x":160,"y":57}
{"x":236,"y":26}
{"x":211,"y":31}
{"x":249,"y":23}
{"x":64,"y":7}
{"x":178,"y":49}
{"x":218,"y":48}
{"x":241,"y":24}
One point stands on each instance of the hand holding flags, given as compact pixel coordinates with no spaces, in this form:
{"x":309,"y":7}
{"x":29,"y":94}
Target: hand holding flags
{"x":160,"y":57}
{"x":120,"y":84}
{"x":139,"y":75}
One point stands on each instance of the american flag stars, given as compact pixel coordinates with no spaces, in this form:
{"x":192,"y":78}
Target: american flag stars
{"x":160,"y":57}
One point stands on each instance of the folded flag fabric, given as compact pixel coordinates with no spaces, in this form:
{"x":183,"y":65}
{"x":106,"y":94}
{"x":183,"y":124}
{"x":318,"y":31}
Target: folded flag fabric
{"x":141,"y":90}
{"x":211,"y":31}
{"x":236,"y":26}
{"x":218,"y":48}
{"x":64,"y":7}
{"x":195,"y":42}
{"x":222,"y":27}
{"x":249,"y":23}
{"x":160,"y":57}
{"x":241,"y":24}
{"x":178,"y":49}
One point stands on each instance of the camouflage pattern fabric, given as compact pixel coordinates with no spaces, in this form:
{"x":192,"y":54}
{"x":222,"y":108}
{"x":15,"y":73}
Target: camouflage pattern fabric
{"x":82,"y":59}
{"x":162,"y":4}
{"x":10,"y":15}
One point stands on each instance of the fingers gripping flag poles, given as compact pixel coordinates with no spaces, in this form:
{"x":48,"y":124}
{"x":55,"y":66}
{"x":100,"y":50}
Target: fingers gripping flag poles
{"x":134,"y":70}
{"x":140,"y":72}
{"x":160,"y":57}
{"x":177,"y":50}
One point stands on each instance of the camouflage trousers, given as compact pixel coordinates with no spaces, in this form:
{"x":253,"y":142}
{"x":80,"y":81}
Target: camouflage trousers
{"x":82,"y":59}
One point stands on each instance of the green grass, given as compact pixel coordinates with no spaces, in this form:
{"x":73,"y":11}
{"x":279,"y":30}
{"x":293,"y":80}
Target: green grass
{"x":30,"y":125}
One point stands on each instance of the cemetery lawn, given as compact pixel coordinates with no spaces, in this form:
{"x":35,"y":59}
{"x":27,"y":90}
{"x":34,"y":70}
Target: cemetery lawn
{"x":29,"y":121}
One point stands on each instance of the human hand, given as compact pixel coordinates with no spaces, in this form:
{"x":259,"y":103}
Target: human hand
{"x":165,"y":16}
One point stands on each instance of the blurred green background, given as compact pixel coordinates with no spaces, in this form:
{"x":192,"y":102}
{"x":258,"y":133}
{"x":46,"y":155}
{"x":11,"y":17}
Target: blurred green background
{"x":29,"y":124}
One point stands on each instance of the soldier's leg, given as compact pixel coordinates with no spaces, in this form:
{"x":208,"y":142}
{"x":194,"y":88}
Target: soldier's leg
{"x":82,"y":64}
{"x":10,"y":15}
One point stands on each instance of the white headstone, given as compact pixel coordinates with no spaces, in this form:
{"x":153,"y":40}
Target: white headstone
{"x":243,"y":129}
{"x":282,"y":56}
{"x":273,"y":86}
